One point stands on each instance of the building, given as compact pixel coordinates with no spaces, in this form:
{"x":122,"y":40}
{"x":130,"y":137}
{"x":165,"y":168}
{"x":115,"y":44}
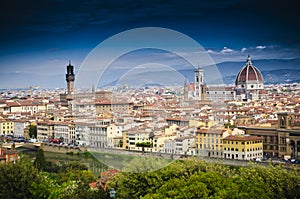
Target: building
{"x":220,"y":93}
{"x":242,"y":147}
{"x":196,"y":90}
{"x":184,"y":144}
{"x":70,"y":78}
{"x":98,"y":136}
{"x":19,"y":127}
{"x":134,"y":136}
{"x":177,"y":121}
{"x":8,"y":155}
{"x":169,"y":146}
{"x":45,"y":130}
{"x":93,"y":134}
{"x":66,"y":98}
{"x":103,"y":106}
{"x":200,"y":89}
{"x":281,"y":141}
{"x":6,"y":127}
{"x":249,"y":82}
{"x":209,"y":142}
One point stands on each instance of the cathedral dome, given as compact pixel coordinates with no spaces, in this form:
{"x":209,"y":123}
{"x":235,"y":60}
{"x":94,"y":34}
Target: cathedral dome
{"x":249,"y":74}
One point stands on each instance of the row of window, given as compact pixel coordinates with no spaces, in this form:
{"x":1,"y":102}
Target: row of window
{"x":248,"y":142}
{"x":236,"y":149}
{"x":236,"y":156}
{"x":231,"y":92}
{"x":7,"y":127}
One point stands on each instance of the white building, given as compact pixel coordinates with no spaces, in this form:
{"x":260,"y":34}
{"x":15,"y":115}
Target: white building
{"x":184,"y":144}
{"x":19,"y":127}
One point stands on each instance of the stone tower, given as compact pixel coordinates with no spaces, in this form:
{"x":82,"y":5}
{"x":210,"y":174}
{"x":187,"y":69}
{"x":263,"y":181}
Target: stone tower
{"x":70,"y":78}
{"x":199,"y":84}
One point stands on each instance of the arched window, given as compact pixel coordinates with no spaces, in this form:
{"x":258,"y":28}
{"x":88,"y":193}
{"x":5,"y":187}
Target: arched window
{"x":290,"y":121}
{"x":282,"y":122}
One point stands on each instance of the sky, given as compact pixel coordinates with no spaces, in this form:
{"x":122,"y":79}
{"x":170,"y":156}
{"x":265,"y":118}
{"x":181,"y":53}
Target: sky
{"x":38,"y":38}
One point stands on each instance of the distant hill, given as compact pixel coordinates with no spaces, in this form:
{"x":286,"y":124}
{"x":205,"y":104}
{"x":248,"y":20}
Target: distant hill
{"x":273,"y":70}
{"x":232,"y":68}
{"x":273,"y":76}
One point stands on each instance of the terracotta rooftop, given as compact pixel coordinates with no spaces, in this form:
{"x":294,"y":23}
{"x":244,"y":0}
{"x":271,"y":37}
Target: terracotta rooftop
{"x":242,"y":138}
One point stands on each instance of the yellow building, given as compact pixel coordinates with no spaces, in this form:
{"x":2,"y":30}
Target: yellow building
{"x":6,"y":127}
{"x":116,"y":107}
{"x":242,"y":147}
{"x":171,"y":129}
{"x":132,"y":137}
{"x":198,"y":123}
{"x":209,"y":142}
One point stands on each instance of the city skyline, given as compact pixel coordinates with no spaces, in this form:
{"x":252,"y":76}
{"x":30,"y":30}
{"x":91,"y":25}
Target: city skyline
{"x":38,"y":39}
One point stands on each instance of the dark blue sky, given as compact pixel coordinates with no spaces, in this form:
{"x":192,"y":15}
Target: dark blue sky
{"x":39,"y":37}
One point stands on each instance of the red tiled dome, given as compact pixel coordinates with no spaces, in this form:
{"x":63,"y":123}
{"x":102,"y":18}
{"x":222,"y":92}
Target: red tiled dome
{"x":248,"y":73}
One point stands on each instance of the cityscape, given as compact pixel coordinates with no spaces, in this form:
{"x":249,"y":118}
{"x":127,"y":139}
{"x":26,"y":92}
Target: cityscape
{"x":149,"y":112}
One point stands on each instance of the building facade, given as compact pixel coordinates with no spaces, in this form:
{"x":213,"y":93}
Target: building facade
{"x":242,"y":147}
{"x":281,"y":141}
{"x":209,"y":142}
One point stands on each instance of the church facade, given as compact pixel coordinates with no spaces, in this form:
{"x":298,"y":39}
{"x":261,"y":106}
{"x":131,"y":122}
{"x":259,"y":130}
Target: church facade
{"x":249,"y":85}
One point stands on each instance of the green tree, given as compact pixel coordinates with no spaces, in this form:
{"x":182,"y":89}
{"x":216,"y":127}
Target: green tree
{"x":33,"y":131}
{"x":40,"y":162}
{"x":17,"y":179}
{"x":197,"y":179}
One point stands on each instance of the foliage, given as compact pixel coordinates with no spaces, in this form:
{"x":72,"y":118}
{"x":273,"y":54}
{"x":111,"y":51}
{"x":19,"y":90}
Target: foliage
{"x":88,"y":154}
{"x":32,"y":131}
{"x":229,"y":125}
{"x":190,"y":178}
{"x":144,"y":144}
{"x":17,"y":179}
{"x":198,"y":179}
{"x":40,"y":162}
{"x":27,"y":179}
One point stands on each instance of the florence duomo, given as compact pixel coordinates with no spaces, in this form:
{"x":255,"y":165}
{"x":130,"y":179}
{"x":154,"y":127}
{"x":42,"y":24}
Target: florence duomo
{"x":160,"y":99}
{"x":249,"y":85}
{"x":249,"y":82}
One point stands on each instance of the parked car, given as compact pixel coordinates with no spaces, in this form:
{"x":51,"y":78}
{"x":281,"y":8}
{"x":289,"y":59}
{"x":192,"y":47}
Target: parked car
{"x":54,"y":141}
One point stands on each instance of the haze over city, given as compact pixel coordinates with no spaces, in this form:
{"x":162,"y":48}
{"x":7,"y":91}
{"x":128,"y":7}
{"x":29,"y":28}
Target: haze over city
{"x":39,"y":38}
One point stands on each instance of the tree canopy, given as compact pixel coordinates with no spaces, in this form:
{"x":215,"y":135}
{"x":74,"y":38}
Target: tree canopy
{"x":198,"y":179}
{"x":190,"y":178}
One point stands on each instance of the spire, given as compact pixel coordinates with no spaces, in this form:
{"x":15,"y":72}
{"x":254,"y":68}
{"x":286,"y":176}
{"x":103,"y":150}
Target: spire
{"x":249,"y":60}
{"x":69,"y":62}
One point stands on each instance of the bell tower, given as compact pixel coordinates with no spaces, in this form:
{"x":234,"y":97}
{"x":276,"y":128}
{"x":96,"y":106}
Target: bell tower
{"x":285,"y":120}
{"x":200,"y":89}
{"x":70,"y":78}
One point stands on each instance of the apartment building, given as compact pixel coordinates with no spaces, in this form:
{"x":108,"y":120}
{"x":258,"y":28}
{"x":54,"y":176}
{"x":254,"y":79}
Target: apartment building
{"x":242,"y":147}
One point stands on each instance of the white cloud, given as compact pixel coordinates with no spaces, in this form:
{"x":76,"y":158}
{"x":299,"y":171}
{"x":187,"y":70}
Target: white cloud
{"x":260,"y":47}
{"x":243,"y":49}
{"x":211,"y":51}
{"x":226,"y":50}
